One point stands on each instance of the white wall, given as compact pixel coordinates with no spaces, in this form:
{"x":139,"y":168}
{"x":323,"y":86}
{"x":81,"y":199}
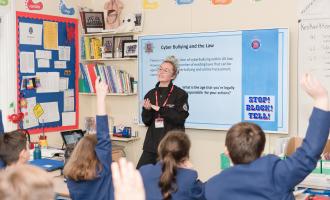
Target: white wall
{"x":200,"y":16}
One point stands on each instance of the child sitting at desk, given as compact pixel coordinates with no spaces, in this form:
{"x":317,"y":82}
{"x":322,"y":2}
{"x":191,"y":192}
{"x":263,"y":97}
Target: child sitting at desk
{"x":268,"y":177}
{"x":13,"y":148}
{"x":25,"y":182}
{"x":88,"y":169}
{"x":172,"y":177}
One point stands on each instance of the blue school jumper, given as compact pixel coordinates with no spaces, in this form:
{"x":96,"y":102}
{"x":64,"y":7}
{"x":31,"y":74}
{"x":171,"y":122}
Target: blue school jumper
{"x":2,"y":164}
{"x":100,"y":188}
{"x":189,"y":187}
{"x":269,"y":177}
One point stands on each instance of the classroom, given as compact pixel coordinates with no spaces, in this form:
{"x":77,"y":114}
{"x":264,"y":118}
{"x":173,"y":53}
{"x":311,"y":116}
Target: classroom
{"x":233,"y":61}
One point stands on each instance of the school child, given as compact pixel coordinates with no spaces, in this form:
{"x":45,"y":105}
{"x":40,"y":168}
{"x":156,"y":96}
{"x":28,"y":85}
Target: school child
{"x":13,"y":148}
{"x":172,"y":177}
{"x":88,"y":168}
{"x":269,"y":177}
{"x":25,"y":182}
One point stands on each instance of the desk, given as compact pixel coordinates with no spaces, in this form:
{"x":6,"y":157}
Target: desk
{"x":122,"y":139}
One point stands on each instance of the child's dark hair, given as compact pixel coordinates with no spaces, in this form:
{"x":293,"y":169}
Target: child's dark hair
{"x":245,"y":142}
{"x":173,"y":149}
{"x":11,"y":144}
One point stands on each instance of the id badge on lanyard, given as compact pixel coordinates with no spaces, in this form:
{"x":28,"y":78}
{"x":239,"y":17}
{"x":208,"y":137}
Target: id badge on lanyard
{"x":159,"y":121}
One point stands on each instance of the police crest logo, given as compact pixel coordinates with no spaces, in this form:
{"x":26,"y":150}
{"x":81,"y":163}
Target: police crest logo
{"x":185,"y":107}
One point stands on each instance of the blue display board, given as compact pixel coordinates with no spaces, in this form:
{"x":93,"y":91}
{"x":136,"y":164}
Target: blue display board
{"x":229,"y":76}
{"x":47,"y":76}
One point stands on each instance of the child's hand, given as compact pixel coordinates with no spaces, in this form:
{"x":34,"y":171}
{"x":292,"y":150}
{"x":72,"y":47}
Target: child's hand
{"x":314,"y":89}
{"x":127,"y":181}
{"x":101,"y":88}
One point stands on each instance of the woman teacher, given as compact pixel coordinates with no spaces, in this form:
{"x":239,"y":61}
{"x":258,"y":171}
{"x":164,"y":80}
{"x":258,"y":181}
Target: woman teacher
{"x":165,"y":108}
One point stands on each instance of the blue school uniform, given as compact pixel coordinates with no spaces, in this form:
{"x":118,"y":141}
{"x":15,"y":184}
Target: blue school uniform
{"x":100,"y":187}
{"x":269,"y":177}
{"x":1,"y":124}
{"x":186,"y":179}
{"x":2,"y":164}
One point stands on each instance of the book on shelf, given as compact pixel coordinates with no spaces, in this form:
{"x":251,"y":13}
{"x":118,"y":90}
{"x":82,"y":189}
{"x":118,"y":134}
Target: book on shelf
{"x":119,"y":81}
{"x":91,"y":48}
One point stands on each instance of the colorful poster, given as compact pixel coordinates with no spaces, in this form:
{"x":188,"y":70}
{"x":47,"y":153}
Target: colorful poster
{"x":31,"y":5}
{"x":247,"y":75}
{"x":51,"y":35}
{"x":65,"y":9}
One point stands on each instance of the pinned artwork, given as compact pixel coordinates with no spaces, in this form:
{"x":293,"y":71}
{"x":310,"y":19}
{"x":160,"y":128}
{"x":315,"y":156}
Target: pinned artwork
{"x":66,"y":10}
{"x":31,"y":5}
{"x":113,"y":10}
{"x":4,"y":2}
{"x":221,"y":2}
{"x":150,"y":4}
{"x":182,"y":2}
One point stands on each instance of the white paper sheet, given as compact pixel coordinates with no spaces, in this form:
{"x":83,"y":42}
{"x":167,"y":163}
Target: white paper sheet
{"x":60,"y":64}
{"x":43,"y":54}
{"x":51,"y":112}
{"x":49,"y":82}
{"x":68,"y":100}
{"x":68,"y":118}
{"x":26,"y":62}
{"x":30,"y":33}
{"x":64,"y":52}
{"x":30,"y":120}
{"x":64,"y":83}
{"x":43,"y":63}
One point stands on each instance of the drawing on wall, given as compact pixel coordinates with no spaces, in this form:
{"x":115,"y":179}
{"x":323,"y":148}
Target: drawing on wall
{"x":31,"y":5}
{"x":3,"y":2}
{"x":66,"y":10}
{"x":150,"y":4}
{"x":221,"y":2}
{"x":181,"y":2}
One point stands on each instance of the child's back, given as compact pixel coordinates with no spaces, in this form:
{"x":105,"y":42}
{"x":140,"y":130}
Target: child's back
{"x":269,"y":177}
{"x":88,"y":169}
{"x":186,"y":180}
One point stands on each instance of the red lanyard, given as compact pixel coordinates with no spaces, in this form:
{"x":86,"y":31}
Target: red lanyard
{"x":169,"y":94}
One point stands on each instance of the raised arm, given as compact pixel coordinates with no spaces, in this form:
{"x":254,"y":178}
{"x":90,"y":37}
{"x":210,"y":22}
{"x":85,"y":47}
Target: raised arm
{"x":103,"y":147}
{"x":1,"y":124}
{"x":290,"y":172}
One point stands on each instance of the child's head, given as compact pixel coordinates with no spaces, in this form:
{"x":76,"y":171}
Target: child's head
{"x":83,"y":163}
{"x":245,"y":142}
{"x":13,"y":147}
{"x":25,"y":182}
{"x":172,"y":150}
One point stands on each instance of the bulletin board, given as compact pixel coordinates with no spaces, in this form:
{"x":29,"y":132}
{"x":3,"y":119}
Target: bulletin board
{"x":47,"y":71}
{"x":230,"y":76}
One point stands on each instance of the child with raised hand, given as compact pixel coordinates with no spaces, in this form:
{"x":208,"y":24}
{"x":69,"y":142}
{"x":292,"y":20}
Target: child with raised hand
{"x":88,"y":169}
{"x":172,"y":177}
{"x":269,"y":177}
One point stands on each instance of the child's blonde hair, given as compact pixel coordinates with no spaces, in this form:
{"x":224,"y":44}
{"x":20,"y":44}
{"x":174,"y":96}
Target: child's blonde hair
{"x":25,"y":182}
{"x":83,"y":163}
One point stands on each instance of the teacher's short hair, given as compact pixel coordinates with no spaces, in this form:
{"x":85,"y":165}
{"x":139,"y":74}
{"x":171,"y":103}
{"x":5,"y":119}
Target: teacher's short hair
{"x":174,"y":62}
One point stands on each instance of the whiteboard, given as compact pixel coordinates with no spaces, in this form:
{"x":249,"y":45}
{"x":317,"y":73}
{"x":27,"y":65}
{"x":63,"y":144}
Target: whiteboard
{"x":230,"y":76}
{"x":314,"y":57}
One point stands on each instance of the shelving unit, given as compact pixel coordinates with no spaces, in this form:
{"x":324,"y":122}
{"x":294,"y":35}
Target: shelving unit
{"x":108,"y":59}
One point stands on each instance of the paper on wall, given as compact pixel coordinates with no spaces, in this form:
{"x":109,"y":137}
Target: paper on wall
{"x":43,"y":54}
{"x":26,"y":62}
{"x":30,"y":34}
{"x":64,"y":53}
{"x":68,"y":100}
{"x":64,"y":83}
{"x":43,"y":63}
{"x":49,"y":82}
{"x":51,"y":113}
{"x":68,"y":118}
{"x":30,"y":120}
{"x":60,"y":64}
{"x":51,"y":35}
